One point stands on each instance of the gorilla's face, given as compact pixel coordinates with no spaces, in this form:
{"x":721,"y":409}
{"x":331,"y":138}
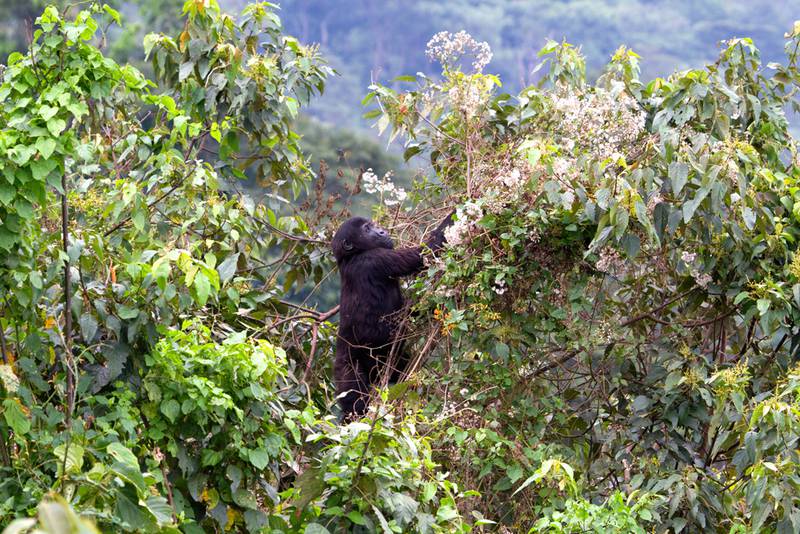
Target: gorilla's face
{"x":359,"y":235}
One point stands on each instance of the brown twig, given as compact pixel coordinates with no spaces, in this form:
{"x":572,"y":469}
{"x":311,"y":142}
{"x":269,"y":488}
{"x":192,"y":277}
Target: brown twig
{"x":70,"y":392}
{"x":317,"y":317}
{"x":648,"y":314}
{"x":3,"y":347}
{"x":562,"y":360}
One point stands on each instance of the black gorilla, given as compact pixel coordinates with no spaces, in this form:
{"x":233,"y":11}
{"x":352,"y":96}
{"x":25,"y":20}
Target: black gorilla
{"x":370,"y":269}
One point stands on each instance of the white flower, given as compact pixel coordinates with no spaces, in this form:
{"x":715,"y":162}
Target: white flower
{"x":500,"y":287}
{"x":466,"y":98}
{"x":456,"y":232}
{"x":512,"y":180}
{"x":467,"y":217}
{"x":606,"y":124}
{"x":446,"y":48}
{"x":703,"y":280}
{"x":610,"y":262}
{"x":688,"y":257}
{"x":390,"y":194}
{"x":561,"y":167}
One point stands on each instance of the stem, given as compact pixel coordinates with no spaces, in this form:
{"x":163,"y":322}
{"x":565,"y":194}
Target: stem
{"x":5,"y":457}
{"x":3,"y":349}
{"x":67,"y":300}
{"x":164,"y":473}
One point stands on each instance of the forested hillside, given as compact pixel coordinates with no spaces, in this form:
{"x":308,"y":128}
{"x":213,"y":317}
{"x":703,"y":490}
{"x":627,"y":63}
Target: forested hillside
{"x":601,"y":334}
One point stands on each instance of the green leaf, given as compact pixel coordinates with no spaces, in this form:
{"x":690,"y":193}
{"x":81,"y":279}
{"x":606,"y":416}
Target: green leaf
{"x":291,"y":104}
{"x":402,"y":506}
{"x":45,"y":146}
{"x":357,"y":518}
{"x":227,"y":268}
{"x":122,"y":454}
{"x":74,"y":457}
{"x":259,"y":458}
{"x":215,"y":133}
{"x":55,"y":126}
{"x":149,"y":42}
{"x":315,"y":528}
{"x":88,"y":326}
{"x":245,"y":499}
{"x":678,"y":176}
{"x":202,"y":287}
{"x":126,"y":466}
{"x":691,"y":206}
{"x":641,"y":403}
{"x":171,"y":408}
{"x":138,"y":219}
{"x":16,"y":417}
{"x":127,"y":313}
{"x":113,"y":13}
{"x":234,"y":474}
{"x":36,"y":279}
{"x":749,"y":217}
{"x":41,"y":168}
{"x":514,"y":473}
{"x":186,"y":70}
{"x":21,"y":154}
{"x":160,"y":508}
{"x":47,"y":112}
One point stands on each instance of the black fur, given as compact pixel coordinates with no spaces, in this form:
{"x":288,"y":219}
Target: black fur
{"x":370,"y":269}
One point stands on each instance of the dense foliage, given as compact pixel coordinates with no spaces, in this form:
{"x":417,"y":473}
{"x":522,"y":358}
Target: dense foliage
{"x":621,"y":293}
{"x":115,"y":233}
{"x":607,"y":344}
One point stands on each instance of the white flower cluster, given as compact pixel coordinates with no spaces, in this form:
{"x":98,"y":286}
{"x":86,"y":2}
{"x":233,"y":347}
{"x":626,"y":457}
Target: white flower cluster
{"x":503,"y":186}
{"x":389,"y":192}
{"x":512,"y":179}
{"x":702,"y":279}
{"x":500,"y":287}
{"x":467,"y":98}
{"x":605,"y":123}
{"x":446,"y":48}
{"x":467,"y":217}
{"x":563,"y":167}
{"x":610,"y":262}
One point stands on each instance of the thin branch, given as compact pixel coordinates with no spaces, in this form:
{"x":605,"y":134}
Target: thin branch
{"x":3,"y":347}
{"x":289,"y":236}
{"x":171,"y":190}
{"x":648,"y":314}
{"x":562,"y":360}
{"x":317,"y":317}
{"x":67,"y":300}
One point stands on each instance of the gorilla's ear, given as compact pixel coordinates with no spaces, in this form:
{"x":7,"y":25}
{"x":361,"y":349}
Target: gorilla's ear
{"x":347,"y":245}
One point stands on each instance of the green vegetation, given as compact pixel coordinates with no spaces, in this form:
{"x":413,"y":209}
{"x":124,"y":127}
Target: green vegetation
{"x":607,"y":343}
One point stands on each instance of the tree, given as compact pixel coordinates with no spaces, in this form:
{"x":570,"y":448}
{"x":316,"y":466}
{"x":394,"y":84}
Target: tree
{"x":144,"y":383}
{"x":619,"y":307}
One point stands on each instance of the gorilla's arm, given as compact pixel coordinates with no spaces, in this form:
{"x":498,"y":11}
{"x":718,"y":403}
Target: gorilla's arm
{"x":436,"y":239}
{"x":406,"y":261}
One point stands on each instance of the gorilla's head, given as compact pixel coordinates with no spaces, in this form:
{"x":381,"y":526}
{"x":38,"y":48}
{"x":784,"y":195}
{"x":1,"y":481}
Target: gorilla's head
{"x":357,"y":235}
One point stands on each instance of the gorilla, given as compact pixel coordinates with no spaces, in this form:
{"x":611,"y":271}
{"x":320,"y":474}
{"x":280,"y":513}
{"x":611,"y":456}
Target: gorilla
{"x":370,"y":269}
